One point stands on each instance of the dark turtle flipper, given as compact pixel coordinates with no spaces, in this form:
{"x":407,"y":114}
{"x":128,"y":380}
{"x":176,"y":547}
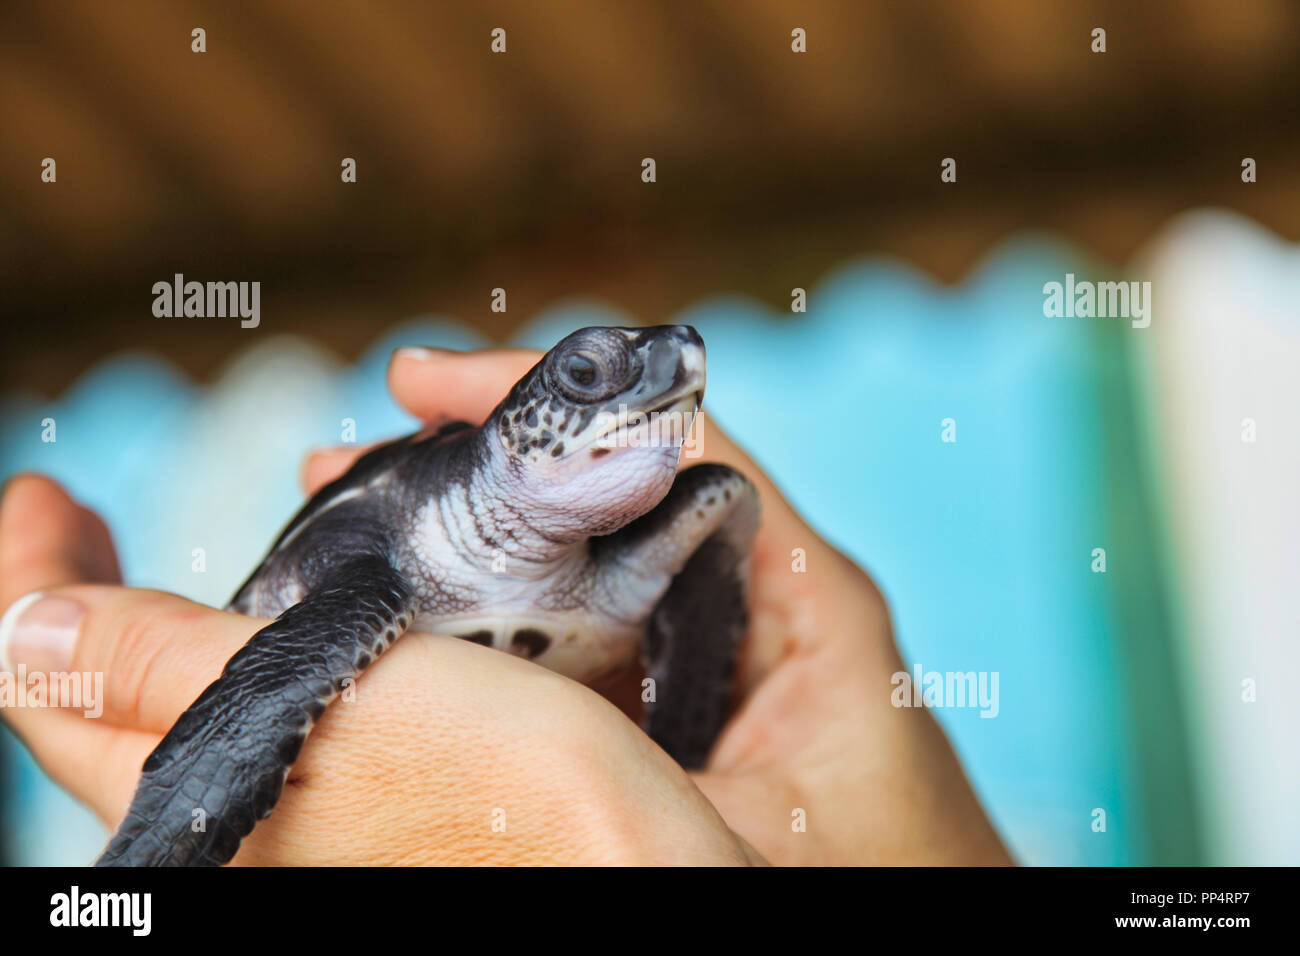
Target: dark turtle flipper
{"x":694,"y":634}
{"x":222,"y":767}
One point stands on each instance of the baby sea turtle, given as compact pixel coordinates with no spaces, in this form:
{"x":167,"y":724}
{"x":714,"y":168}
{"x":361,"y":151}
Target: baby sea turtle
{"x":560,"y":531}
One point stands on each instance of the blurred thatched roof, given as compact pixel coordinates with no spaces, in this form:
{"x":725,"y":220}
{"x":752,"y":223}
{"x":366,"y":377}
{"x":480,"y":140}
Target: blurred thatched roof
{"x":522,"y":170}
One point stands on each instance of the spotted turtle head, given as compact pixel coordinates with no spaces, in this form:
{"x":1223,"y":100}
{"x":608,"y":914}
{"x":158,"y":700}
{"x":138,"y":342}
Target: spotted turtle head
{"x":590,"y":438}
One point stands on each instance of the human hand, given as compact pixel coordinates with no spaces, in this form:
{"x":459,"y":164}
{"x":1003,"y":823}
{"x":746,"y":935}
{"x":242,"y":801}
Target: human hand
{"x":441,"y":734}
{"x":815,"y":730}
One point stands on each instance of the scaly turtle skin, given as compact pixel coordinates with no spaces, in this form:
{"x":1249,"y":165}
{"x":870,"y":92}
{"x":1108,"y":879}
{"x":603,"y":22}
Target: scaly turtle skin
{"x":560,"y":531}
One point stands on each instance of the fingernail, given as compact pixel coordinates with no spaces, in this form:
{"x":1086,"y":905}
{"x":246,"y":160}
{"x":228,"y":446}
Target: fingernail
{"x":420,"y":353}
{"x":40,"y":632}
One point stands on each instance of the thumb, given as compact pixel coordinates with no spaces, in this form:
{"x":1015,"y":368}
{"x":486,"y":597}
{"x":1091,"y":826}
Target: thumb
{"x":152,"y":653}
{"x":133,"y":660}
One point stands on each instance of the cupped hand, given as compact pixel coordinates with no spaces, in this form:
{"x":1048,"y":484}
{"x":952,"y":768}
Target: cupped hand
{"x":446,"y":752}
{"x":816,"y":766}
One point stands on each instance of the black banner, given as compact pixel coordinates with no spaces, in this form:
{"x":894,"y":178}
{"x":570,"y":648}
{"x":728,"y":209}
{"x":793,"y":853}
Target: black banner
{"x":911,"y":905}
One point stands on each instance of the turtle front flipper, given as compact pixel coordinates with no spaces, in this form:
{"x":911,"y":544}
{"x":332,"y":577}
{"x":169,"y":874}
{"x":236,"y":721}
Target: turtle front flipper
{"x":708,"y":520}
{"x":221,"y":768}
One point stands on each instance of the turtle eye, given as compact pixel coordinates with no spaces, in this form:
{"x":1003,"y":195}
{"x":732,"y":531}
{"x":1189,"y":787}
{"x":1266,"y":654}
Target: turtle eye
{"x":580,"y":370}
{"x":591,"y":366}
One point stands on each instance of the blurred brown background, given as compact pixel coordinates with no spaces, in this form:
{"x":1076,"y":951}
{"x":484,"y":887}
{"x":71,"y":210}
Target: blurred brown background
{"x":522,"y":170}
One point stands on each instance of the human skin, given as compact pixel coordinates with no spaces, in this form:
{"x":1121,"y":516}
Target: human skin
{"x":815,"y":767}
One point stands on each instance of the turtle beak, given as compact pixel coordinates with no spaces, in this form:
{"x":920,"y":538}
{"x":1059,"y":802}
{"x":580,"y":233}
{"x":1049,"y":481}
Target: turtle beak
{"x":674,"y":374}
{"x":692,"y":364}
{"x":674,"y":367}
{"x":667,"y":395}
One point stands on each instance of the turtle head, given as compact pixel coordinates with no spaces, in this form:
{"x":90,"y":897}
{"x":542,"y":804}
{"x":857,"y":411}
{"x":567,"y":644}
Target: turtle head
{"x":590,"y":438}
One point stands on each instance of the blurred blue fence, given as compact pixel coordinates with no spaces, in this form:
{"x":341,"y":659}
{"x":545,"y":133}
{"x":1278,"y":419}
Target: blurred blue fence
{"x":982,"y":546}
